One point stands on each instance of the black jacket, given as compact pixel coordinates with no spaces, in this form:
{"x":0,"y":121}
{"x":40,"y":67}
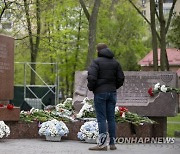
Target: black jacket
{"x":105,"y":73}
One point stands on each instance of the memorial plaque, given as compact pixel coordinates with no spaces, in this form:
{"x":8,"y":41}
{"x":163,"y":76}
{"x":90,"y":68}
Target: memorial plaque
{"x":6,"y":68}
{"x":134,"y":93}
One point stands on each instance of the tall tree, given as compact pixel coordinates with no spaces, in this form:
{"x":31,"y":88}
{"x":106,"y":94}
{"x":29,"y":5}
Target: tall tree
{"x":34,"y":38}
{"x":163,"y":36}
{"x":92,"y":28}
{"x":154,"y":37}
{"x":64,"y":39}
{"x":164,"y":27}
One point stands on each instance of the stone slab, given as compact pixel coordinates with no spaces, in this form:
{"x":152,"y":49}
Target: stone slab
{"x":6,"y":68}
{"x":9,"y":115}
{"x":134,"y":93}
{"x":160,"y":129}
{"x":22,"y":130}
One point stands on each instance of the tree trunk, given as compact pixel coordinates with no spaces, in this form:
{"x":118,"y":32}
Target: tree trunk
{"x":66,"y":75}
{"x":33,"y":68}
{"x":154,"y":36}
{"x":84,"y":9}
{"x":34,"y":47}
{"x":92,"y":32}
{"x":76,"y":53}
{"x":163,"y":37}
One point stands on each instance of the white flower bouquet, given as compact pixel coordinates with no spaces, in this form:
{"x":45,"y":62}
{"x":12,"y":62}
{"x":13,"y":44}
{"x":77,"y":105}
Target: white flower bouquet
{"x":65,"y":110}
{"x":4,"y":129}
{"x":53,"y":128}
{"x":65,"y":106}
{"x":87,"y":110}
{"x":88,"y":131}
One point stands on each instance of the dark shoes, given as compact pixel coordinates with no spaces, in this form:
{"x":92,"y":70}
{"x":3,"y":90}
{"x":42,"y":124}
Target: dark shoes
{"x":98,"y":148}
{"x":112,"y":147}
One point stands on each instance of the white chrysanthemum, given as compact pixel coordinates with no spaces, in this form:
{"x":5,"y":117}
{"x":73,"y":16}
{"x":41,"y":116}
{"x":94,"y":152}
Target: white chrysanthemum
{"x":4,"y":129}
{"x":89,"y":130}
{"x":32,"y":110}
{"x":22,"y":112}
{"x":164,"y":88}
{"x":116,"y":109}
{"x":36,"y":110}
{"x":86,"y":107}
{"x":53,"y":128}
{"x":85,"y":100}
{"x":58,"y":106}
{"x":157,"y":86}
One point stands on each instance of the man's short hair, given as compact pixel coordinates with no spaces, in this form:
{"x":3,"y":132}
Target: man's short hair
{"x":101,"y":46}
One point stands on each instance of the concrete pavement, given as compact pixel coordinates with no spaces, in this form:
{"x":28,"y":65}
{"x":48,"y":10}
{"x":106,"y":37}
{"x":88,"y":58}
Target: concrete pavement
{"x":40,"y":146}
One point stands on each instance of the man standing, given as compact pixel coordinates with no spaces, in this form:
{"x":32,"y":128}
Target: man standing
{"x":104,"y":77}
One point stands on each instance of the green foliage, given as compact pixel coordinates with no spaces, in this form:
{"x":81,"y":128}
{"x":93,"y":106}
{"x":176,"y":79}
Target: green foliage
{"x":64,"y":38}
{"x":40,"y":116}
{"x":174,"y":33}
{"x":132,"y":118}
{"x":173,"y":125}
{"x":89,"y":114}
{"x":123,"y":30}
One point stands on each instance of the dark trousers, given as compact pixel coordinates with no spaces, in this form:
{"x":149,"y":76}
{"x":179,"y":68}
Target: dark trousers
{"x":105,"y":110}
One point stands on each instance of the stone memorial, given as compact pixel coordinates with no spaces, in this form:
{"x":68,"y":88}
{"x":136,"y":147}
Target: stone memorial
{"x":134,"y":95}
{"x":7,"y":78}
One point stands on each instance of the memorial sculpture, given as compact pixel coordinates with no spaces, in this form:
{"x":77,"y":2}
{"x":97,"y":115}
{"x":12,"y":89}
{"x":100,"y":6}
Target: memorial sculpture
{"x":7,"y":111}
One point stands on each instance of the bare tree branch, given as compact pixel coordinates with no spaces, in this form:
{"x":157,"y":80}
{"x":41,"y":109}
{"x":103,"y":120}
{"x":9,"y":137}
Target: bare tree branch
{"x":92,"y":32}
{"x":170,"y":16}
{"x":157,"y":14}
{"x":85,"y":9}
{"x":22,"y":38}
{"x":6,"y":5}
{"x":143,"y":17}
{"x":140,"y":12}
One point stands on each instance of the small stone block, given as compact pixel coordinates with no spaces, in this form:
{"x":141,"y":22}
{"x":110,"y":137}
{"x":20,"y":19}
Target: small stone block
{"x":9,"y":115}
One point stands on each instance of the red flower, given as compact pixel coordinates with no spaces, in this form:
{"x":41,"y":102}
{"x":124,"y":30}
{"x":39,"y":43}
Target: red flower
{"x":121,"y":112}
{"x":1,"y":105}
{"x":123,"y":109}
{"x":150,"y":91}
{"x":10,"y":106}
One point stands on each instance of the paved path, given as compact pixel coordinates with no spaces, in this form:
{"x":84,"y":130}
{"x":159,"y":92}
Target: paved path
{"x":40,"y":146}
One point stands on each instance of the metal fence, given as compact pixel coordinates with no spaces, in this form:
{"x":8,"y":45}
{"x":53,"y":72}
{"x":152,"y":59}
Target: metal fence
{"x":47,"y":83}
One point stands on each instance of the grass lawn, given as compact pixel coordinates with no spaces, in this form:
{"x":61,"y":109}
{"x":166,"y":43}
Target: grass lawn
{"x":171,"y":127}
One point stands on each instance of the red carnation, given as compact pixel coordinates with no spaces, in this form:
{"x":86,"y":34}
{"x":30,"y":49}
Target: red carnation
{"x":121,"y":112}
{"x":123,"y":109}
{"x":150,"y":91}
{"x":10,"y":106}
{"x":1,"y":105}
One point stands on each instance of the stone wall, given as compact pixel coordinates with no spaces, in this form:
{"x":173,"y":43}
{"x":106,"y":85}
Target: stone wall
{"x":21,"y":130}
